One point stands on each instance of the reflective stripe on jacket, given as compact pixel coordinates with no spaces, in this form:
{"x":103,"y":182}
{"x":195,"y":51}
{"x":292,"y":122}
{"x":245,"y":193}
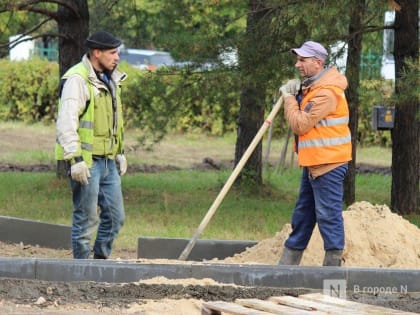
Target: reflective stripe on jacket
{"x":329,"y":141}
{"x":98,"y":133}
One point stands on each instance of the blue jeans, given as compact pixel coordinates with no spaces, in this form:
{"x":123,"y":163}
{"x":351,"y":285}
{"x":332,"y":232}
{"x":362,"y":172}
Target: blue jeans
{"x":320,"y":201}
{"x":103,"y":191}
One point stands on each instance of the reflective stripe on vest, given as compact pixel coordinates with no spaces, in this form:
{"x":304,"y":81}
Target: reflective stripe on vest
{"x":324,"y":142}
{"x":86,"y":120}
{"x":329,"y":141}
{"x":333,"y":122}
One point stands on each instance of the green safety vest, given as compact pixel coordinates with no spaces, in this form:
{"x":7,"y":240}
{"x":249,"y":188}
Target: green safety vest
{"x":96,"y":137}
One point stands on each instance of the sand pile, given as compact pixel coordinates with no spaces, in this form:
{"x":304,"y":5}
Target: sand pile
{"x":375,"y":237}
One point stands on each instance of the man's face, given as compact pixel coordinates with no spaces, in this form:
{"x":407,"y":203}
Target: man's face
{"x":308,"y":66}
{"x":108,"y":59}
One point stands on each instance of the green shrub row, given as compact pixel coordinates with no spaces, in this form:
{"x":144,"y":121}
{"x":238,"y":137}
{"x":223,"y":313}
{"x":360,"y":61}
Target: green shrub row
{"x":28,"y":90}
{"x":182,"y":100}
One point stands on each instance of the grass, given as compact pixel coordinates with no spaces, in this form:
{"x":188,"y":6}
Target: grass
{"x":374,"y":155}
{"x":34,"y":143}
{"x":173,"y":203}
{"x":168,"y":203}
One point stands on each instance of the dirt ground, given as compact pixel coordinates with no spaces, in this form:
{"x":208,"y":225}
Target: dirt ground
{"x":171,"y":298}
{"x":156,"y":296}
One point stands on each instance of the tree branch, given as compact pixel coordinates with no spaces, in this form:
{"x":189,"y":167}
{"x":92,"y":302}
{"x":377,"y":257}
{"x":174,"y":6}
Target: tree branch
{"x":20,"y":40}
{"x":367,"y":29}
{"x":48,"y":13}
{"x":30,"y":6}
{"x":65,"y":3}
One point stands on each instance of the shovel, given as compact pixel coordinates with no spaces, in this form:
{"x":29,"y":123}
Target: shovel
{"x":187,"y":250}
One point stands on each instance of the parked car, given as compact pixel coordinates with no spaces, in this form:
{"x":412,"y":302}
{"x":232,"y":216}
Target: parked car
{"x":146,"y":59}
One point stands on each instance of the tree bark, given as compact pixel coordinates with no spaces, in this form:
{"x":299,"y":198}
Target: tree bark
{"x":73,"y":27}
{"x":405,"y":192}
{"x":251,"y":112}
{"x":352,"y":74}
{"x":250,"y":121}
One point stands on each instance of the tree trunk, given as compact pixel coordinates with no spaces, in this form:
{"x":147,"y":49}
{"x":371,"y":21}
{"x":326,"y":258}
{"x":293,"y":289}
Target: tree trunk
{"x":405,"y":193}
{"x":352,"y":74}
{"x":73,"y":27}
{"x":250,"y":120}
{"x":251,"y":113}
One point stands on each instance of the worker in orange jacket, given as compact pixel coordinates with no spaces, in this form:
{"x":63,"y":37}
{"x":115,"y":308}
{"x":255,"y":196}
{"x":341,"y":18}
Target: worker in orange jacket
{"x":317,"y":112}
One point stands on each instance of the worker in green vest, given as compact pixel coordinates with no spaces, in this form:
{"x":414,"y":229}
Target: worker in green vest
{"x":90,"y":138}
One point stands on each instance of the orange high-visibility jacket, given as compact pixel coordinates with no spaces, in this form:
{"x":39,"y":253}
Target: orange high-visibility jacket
{"x":329,"y":141}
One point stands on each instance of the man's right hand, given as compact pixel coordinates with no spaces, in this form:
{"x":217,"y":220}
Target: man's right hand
{"x":80,"y":172}
{"x":291,"y":88}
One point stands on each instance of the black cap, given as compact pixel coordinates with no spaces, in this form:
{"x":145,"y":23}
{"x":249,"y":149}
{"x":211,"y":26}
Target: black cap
{"x":102,"y":40}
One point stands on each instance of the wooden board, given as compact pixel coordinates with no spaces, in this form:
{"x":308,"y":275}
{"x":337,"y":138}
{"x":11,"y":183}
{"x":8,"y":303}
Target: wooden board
{"x":311,"y":305}
{"x":232,"y":308}
{"x":358,"y":308}
{"x":277,"y":309}
{"x":307,"y":304}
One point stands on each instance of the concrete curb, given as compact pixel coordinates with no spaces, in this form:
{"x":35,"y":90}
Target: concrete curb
{"x":15,"y":230}
{"x":171,"y":248}
{"x":367,"y":280}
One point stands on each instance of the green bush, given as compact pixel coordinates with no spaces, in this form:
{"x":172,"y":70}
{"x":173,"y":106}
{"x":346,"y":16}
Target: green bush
{"x":182,"y":100}
{"x":28,"y":90}
{"x":176,"y":99}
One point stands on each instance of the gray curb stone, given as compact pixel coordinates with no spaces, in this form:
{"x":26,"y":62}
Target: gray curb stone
{"x":115,"y":271}
{"x":15,"y":230}
{"x":171,"y":248}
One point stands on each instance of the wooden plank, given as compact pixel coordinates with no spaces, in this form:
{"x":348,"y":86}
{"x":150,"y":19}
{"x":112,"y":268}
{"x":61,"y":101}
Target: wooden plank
{"x":206,"y":311}
{"x":312,"y":305}
{"x":232,"y":308}
{"x":293,"y":302}
{"x":355,"y":306}
{"x":274,"y":308}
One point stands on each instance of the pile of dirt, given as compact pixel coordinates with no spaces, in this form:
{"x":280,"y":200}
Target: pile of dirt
{"x":375,"y":237}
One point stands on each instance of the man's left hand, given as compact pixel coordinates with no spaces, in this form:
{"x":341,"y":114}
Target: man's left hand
{"x":291,"y":88}
{"x":121,"y":164}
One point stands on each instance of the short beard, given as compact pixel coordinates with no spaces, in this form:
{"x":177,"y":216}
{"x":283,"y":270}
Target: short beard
{"x":105,"y":69}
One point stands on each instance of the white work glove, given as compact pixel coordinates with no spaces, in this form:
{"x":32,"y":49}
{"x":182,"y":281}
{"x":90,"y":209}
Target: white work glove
{"x":80,"y":172}
{"x":291,"y":88}
{"x":121,"y":164}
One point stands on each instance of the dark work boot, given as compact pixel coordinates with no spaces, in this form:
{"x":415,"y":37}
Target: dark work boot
{"x":290,"y":256}
{"x":332,"y":257}
{"x":96,"y":256}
